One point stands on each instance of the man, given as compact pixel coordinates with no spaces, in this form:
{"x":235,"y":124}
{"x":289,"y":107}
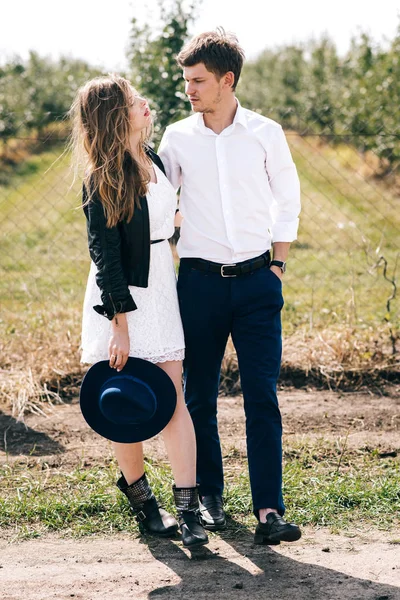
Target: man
{"x":240,"y":200}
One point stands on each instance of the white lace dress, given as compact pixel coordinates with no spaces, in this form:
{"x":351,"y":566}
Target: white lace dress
{"x":155,"y":328}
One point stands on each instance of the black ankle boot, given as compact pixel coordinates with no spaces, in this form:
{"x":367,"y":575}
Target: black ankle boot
{"x":187,"y":505}
{"x":149,"y":515}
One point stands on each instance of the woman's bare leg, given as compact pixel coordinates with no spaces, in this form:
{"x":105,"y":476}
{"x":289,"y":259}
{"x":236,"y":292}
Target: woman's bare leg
{"x":178,"y":435}
{"x":130,"y":460}
{"x":179,"y":439}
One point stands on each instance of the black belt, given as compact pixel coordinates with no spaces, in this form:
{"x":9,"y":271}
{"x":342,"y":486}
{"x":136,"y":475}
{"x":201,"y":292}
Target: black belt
{"x":156,"y":241}
{"x":234,"y":270}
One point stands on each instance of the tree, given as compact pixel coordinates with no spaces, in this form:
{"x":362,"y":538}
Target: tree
{"x":273,"y":84}
{"x":321,"y":86}
{"x":12,"y":99}
{"x":153,"y":67}
{"x":37,"y":92}
{"x":51,"y":87}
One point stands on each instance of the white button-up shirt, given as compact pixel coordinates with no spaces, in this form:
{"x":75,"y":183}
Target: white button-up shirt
{"x":239,"y":190}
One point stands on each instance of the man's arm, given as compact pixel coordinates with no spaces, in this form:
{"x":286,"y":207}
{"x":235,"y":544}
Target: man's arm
{"x":285,"y":186}
{"x":167,"y":155}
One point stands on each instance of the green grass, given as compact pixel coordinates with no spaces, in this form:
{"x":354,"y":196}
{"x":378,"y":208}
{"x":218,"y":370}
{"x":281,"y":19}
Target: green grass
{"x":43,"y":243}
{"x":331,"y":288}
{"x":329,"y":280}
{"x":347,"y":222}
{"x":364,"y":491}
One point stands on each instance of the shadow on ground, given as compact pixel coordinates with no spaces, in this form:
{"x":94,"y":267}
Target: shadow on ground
{"x":263,"y":573}
{"x":16,"y":439}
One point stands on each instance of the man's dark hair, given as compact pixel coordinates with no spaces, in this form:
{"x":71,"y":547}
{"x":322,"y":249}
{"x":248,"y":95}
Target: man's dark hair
{"x":219,"y":51}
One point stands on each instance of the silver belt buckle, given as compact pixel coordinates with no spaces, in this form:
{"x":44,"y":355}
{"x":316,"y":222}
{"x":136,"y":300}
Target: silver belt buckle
{"x":222,"y":270}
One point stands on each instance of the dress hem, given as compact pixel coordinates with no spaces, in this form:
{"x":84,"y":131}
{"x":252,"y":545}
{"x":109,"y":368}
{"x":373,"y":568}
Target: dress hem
{"x":176,"y":355}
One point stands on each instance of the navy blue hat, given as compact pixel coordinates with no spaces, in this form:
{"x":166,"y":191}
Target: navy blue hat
{"x":130,"y":406}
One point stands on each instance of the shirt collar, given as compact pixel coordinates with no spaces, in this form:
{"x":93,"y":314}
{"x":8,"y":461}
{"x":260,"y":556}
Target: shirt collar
{"x":239,"y":118}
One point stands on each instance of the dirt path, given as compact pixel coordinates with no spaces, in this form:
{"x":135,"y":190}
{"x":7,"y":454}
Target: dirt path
{"x":362,"y":565}
{"x":119,"y":568}
{"x":63,"y":438}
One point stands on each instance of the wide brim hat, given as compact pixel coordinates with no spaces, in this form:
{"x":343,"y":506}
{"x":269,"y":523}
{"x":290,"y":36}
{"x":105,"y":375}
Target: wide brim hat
{"x":127,"y":406}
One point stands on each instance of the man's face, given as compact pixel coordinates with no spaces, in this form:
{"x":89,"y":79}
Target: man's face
{"x":203,"y":88}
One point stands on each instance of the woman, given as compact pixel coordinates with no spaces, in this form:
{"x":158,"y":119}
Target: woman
{"x":131,"y":306}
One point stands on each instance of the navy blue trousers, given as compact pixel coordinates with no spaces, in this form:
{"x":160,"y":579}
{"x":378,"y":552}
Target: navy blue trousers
{"x":249,"y":308}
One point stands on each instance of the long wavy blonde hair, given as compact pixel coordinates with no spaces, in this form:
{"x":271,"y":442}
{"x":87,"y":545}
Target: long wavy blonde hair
{"x":100,"y":143}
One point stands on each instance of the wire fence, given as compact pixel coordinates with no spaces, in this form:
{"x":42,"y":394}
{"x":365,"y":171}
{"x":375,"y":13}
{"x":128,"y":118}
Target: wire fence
{"x":341,"y":270}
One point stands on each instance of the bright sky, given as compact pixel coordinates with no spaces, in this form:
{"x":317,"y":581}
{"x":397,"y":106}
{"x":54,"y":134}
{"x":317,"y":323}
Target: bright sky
{"x":98,"y":30}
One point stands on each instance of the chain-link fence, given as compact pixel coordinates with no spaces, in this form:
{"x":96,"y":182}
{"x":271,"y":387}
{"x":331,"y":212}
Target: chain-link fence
{"x":342,"y":269}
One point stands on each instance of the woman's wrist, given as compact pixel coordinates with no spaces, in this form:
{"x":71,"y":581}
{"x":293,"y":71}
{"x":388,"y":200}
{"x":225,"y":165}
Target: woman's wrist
{"x":119,"y":322}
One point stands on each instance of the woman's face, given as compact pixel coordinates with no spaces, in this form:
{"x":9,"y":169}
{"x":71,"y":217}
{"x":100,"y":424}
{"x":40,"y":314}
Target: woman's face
{"x":139,"y":112}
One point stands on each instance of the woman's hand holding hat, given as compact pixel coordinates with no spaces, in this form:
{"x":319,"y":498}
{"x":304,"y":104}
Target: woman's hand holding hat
{"x":118,"y":347}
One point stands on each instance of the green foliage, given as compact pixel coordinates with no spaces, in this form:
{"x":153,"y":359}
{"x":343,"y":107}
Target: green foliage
{"x":153,"y":67}
{"x":307,"y":87}
{"x":11,"y":102}
{"x":311,"y":89}
{"x":321,"y":85}
{"x":37,"y":92}
{"x":273,"y":84}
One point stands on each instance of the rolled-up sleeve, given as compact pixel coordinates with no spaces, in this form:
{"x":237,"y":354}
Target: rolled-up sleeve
{"x":167,"y":155}
{"x":105,"y":251}
{"x":285,"y":187}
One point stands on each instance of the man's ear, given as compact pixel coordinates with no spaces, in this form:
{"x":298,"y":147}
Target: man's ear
{"x":229,"y":79}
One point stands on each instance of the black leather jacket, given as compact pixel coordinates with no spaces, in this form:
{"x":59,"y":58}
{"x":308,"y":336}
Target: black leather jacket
{"x":121,"y":253}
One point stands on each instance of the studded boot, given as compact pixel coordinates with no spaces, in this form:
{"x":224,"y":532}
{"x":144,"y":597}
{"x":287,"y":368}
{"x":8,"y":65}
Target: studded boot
{"x":187,"y":506}
{"x":151,"y":518}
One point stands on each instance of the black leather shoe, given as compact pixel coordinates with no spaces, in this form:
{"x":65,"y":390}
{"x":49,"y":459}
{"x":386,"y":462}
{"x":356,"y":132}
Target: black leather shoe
{"x":276,"y":530}
{"x":212,"y":513}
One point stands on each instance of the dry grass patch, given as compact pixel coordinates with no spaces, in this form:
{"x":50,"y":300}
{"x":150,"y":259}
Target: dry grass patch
{"x":337,"y":358}
{"x":40,"y":362}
